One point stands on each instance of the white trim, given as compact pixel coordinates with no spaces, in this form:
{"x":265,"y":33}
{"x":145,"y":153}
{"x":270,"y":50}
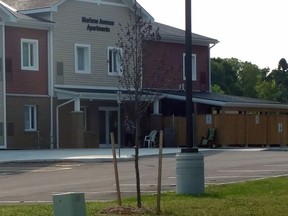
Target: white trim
{"x":194,"y":67}
{"x":35,"y":56}
{"x":114,"y":73}
{"x":87,"y":87}
{"x":4,"y":88}
{"x":31,"y":24}
{"x":107,"y":110}
{"x":26,"y":95}
{"x":87,"y":59}
{"x":8,"y":6}
{"x":34,"y":119}
{"x":8,"y":15}
{"x":101,"y":2}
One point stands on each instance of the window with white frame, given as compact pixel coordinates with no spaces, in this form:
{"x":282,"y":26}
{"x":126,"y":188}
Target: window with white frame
{"x":114,"y":60}
{"x":194,"y":71}
{"x":82,"y":58}
{"x":29,"y":54}
{"x":30,"y":116}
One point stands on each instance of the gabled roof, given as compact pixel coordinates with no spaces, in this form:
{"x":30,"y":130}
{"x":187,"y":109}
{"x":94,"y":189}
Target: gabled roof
{"x":22,"y":5}
{"x":172,"y":34}
{"x":34,"y":6}
{"x":30,"y":7}
{"x":11,"y":15}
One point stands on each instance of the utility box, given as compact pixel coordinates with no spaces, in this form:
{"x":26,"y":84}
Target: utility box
{"x":69,"y":204}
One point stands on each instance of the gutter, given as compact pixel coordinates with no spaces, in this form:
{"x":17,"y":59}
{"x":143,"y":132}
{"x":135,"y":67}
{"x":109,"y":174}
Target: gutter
{"x":51,"y":85}
{"x":4,"y":86}
{"x":209,"y":69}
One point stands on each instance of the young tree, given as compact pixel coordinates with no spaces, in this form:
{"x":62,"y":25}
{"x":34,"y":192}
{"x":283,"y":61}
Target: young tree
{"x":132,"y":39}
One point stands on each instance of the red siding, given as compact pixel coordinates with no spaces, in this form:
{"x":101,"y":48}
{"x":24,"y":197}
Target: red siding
{"x":26,"y":82}
{"x":163,"y":66}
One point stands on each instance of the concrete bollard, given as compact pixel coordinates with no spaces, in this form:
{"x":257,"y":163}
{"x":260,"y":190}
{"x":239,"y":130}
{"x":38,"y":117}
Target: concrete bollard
{"x":69,"y":204}
{"x":190,"y":173}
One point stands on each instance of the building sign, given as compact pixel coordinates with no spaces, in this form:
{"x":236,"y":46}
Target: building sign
{"x":208,"y":119}
{"x":257,"y":119}
{"x":97,"y":24}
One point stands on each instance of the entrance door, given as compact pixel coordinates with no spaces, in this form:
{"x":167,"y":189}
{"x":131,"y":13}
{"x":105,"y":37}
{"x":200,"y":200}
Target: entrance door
{"x":108,"y":122}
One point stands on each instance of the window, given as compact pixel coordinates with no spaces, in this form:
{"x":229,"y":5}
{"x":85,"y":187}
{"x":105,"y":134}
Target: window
{"x":114,"y":60}
{"x":29,"y":54}
{"x":30,"y":118}
{"x":194,"y":74}
{"x":82,"y":58}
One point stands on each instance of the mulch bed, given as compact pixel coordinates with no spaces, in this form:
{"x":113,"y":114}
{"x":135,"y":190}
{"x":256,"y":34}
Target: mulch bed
{"x":124,"y":210}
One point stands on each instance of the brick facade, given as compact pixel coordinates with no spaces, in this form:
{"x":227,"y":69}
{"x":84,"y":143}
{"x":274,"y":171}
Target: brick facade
{"x":24,"y":81}
{"x":163,"y":66}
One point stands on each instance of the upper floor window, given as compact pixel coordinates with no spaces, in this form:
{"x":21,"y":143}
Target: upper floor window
{"x":30,"y":117}
{"x":114,"y":60}
{"x":194,"y":72}
{"x":82,"y":58}
{"x":29,"y":54}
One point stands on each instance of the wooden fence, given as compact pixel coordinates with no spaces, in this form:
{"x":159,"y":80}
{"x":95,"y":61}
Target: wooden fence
{"x":233,"y":130}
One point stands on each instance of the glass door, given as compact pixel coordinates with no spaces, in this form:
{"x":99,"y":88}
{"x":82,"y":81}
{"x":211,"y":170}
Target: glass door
{"x":108,"y":122}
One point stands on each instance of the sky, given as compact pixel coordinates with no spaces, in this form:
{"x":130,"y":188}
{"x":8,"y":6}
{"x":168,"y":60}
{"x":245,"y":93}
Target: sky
{"x":249,"y":30}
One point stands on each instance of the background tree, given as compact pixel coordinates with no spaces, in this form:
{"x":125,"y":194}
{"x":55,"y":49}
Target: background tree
{"x":280,"y":77}
{"x":224,"y":75}
{"x":133,"y":37}
{"x":248,"y":75}
{"x":217,"y":89}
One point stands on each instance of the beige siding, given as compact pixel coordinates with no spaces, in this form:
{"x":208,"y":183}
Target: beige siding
{"x":70,"y":29}
{"x":45,"y":16}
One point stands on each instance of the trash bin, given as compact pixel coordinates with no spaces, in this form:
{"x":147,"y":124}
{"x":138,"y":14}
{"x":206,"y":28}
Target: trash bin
{"x":190,"y":173}
{"x":168,"y":137}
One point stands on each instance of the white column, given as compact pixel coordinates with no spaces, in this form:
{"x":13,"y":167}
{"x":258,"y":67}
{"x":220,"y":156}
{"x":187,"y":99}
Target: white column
{"x":156,"y":107}
{"x":77,"y":105}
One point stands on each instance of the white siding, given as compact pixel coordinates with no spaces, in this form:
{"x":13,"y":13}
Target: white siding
{"x":70,"y":29}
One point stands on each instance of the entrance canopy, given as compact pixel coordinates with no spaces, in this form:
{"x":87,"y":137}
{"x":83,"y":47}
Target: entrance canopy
{"x":66,"y":93}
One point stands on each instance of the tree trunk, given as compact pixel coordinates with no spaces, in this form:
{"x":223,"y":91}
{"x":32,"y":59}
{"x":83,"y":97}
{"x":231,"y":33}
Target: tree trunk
{"x":138,"y":190}
{"x":139,"y":204}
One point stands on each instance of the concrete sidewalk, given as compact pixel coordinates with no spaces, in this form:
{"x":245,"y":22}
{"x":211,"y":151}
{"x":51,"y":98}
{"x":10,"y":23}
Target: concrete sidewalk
{"x":84,"y":155}
{"x":99,"y":154}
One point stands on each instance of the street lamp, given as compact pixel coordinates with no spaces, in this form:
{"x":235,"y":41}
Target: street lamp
{"x":119,"y":101}
{"x":189,"y":163}
{"x":188,"y":74}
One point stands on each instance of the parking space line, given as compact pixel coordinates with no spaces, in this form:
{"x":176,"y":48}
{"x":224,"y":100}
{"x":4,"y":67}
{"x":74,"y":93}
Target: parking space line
{"x":252,"y":171}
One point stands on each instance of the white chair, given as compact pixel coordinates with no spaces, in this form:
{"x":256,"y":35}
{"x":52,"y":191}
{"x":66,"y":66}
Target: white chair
{"x":150,"y":139}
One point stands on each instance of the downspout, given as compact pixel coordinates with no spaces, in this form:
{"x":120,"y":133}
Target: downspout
{"x":4,"y":87}
{"x":57,"y":117}
{"x":51,"y":85}
{"x":209,"y":69}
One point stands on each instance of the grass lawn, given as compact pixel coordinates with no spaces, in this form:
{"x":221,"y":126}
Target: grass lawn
{"x":262,"y":197}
